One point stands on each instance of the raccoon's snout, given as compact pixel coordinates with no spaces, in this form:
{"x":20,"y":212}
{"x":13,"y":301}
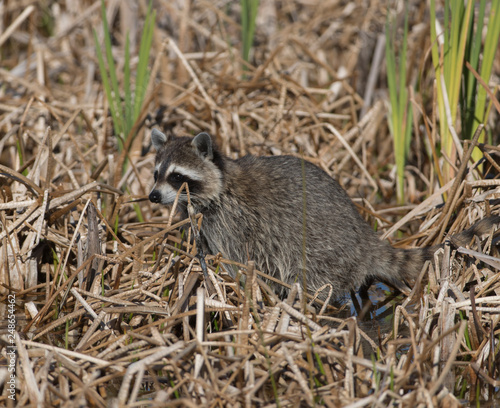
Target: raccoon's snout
{"x":155,"y":196}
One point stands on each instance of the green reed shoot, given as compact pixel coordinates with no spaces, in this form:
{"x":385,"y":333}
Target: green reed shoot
{"x":474,"y":98}
{"x":458,"y":43}
{"x":125,"y":112}
{"x":249,"y":10}
{"x":400,"y":120}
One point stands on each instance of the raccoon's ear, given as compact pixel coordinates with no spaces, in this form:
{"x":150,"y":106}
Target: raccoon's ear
{"x":158,"y":139}
{"x":203,"y":145}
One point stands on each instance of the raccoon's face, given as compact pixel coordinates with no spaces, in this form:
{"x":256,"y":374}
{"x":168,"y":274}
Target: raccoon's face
{"x":185,"y":160}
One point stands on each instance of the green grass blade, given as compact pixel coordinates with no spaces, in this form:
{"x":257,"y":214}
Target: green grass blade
{"x":400,"y":115}
{"x":115,"y":101}
{"x":489,"y":51}
{"x":491,"y":41}
{"x":403,"y":93}
{"x":249,"y":10}
{"x":473,"y":50}
{"x":129,"y":120}
{"x":438,"y":68}
{"x":252,"y":23}
{"x":142,"y":68}
{"x":462,"y":22}
{"x":474,"y":53}
{"x":106,"y":84}
{"x":142,"y":77}
{"x":447,"y":39}
{"x":244,"y":28}
{"x":434,"y":39}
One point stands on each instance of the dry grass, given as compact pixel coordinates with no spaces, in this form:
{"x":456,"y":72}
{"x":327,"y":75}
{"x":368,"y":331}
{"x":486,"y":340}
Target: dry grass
{"x":117,"y":312}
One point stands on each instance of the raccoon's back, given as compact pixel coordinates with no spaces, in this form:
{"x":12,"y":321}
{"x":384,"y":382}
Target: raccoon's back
{"x":274,"y":207}
{"x":287,"y":185}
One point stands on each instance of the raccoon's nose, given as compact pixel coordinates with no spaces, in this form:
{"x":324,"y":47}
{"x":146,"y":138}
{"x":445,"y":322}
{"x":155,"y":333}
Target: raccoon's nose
{"x":155,"y":196}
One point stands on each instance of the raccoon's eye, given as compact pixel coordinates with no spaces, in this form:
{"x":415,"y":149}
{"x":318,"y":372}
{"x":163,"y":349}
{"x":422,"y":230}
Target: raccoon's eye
{"x":177,"y":177}
{"x":156,"y":176}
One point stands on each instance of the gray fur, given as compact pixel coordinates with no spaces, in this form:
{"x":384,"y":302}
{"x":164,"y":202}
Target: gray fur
{"x":253,"y":210}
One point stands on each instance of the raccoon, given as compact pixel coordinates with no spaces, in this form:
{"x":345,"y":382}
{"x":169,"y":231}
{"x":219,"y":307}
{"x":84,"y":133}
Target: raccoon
{"x":274,"y":210}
